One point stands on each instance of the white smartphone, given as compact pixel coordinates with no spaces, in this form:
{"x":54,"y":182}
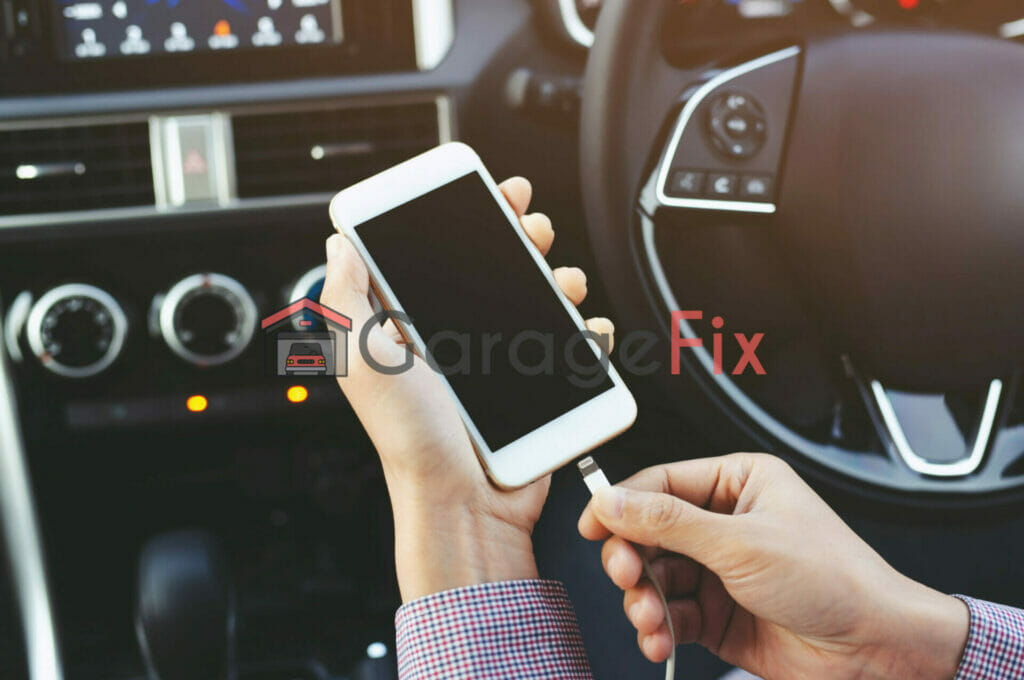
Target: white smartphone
{"x":444,"y":247}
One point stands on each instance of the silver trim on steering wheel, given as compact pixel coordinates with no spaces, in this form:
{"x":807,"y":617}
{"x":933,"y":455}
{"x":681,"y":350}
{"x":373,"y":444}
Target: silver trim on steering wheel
{"x":684,"y":118}
{"x":574,"y":25}
{"x":959,"y":468}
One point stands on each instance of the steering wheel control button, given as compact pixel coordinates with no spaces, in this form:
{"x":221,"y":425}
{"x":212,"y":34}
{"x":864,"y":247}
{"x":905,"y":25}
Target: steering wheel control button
{"x":756,"y":187}
{"x":207,"y":319}
{"x":76,"y":330}
{"x":737,"y":124}
{"x":731,"y":128}
{"x":722,"y":185}
{"x":686,"y":183}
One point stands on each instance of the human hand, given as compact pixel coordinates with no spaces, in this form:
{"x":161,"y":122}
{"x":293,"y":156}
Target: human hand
{"x":761,"y":571}
{"x":452,"y":527}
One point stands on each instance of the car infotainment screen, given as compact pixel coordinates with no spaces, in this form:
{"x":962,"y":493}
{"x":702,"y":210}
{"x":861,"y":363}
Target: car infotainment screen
{"x":101,"y":29}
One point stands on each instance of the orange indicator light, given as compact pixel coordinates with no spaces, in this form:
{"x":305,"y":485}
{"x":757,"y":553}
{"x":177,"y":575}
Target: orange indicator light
{"x":297,"y":394}
{"x":197,"y":403}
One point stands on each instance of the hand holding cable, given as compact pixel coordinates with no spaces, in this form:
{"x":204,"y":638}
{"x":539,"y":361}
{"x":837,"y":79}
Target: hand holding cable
{"x":760,"y":570}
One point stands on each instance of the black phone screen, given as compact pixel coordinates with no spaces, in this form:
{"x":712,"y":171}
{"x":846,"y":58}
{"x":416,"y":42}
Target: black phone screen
{"x":491,"y":321}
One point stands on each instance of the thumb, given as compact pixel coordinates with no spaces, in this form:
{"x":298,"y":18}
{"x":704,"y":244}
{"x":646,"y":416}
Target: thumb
{"x":346,"y":290}
{"x":662,"y":520}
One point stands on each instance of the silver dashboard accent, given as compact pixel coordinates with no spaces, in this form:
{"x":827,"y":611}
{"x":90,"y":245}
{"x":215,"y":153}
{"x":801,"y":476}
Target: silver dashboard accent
{"x":695,"y":100}
{"x":574,"y":25}
{"x":434,"y":28}
{"x":17,"y":315}
{"x":21,"y":532}
{"x":30,"y":171}
{"x":193,"y":159}
{"x":959,"y":468}
{"x":196,"y":282}
{"x":36,"y":317}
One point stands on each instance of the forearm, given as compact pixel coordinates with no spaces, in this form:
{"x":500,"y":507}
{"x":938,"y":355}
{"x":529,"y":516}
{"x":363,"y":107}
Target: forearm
{"x":922,"y":635}
{"x":438,"y":549}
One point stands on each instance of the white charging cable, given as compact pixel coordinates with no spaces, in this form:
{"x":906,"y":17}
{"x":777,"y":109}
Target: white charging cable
{"x":595,"y":479}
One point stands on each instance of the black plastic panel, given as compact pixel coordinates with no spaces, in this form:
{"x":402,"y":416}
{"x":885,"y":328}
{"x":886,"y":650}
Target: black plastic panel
{"x":12,"y":648}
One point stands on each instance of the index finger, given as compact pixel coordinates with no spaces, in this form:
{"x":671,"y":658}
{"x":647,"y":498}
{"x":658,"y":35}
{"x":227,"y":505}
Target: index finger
{"x":519,"y":192}
{"x":694,"y":481}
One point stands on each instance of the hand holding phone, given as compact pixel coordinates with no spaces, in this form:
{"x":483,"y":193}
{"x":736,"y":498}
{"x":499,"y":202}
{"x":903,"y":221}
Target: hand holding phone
{"x":453,"y":528}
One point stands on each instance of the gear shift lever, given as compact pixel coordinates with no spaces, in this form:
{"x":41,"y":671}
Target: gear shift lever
{"x":185,"y":616}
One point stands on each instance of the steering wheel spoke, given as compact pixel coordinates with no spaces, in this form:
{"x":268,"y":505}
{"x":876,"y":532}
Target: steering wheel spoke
{"x":726,"y":147}
{"x":938,"y":435}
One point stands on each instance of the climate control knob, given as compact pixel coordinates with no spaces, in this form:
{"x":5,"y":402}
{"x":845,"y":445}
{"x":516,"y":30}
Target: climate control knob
{"x":76,"y":330}
{"x":207,"y":319}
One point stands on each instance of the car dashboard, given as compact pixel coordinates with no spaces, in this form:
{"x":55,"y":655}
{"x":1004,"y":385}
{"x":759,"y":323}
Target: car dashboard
{"x":165,"y":176}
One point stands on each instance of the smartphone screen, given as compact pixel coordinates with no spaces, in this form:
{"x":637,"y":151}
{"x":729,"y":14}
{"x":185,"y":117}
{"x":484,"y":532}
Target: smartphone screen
{"x":490,"y":319}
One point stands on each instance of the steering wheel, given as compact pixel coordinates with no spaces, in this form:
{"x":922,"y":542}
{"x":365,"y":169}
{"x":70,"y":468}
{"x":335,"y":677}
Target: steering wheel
{"x":858,"y":199}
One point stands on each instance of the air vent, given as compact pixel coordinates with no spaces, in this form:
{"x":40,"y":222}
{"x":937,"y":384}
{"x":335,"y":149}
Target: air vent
{"x":327,"y":149}
{"x":81,"y":167}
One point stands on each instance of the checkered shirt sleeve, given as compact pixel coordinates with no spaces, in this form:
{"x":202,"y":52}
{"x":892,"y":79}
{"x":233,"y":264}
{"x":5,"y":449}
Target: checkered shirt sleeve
{"x":995,"y":644}
{"x":515,"y":629}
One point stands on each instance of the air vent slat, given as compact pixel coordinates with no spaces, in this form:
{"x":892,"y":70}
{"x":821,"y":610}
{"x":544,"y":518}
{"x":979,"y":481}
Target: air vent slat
{"x":78,"y":167}
{"x":274,"y":152}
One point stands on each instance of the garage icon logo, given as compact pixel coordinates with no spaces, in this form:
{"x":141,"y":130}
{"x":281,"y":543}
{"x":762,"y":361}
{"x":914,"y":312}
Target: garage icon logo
{"x":306,"y":339}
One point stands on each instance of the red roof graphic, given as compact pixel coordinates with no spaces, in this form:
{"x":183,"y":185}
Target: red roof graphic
{"x":301,"y":305}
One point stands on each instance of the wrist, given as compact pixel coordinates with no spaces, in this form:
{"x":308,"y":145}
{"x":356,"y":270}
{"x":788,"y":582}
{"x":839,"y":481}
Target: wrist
{"x":441,"y":547}
{"x":923,"y":635}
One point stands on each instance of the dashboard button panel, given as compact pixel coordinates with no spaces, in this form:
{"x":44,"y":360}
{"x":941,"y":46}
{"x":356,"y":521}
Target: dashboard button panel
{"x":687,"y":183}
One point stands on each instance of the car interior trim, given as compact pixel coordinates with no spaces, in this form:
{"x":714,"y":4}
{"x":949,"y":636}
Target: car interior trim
{"x":166,"y":153}
{"x":167,"y":180}
{"x":17,"y":315}
{"x":36,"y":319}
{"x":21,"y":531}
{"x":434,"y":28}
{"x":574,"y":25}
{"x":959,"y":468}
{"x":699,"y":95}
{"x":176,"y":295}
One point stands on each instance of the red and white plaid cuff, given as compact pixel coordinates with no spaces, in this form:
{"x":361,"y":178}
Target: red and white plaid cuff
{"x":515,"y":629}
{"x":995,"y":645}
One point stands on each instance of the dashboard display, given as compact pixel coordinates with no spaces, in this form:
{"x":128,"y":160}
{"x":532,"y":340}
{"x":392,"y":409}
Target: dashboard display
{"x":99,"y":29}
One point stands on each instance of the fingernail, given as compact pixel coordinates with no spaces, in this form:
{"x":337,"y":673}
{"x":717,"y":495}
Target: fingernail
{"x":610,"y":500}
{"x":649,"y":645}
{"x":633,"y":612}
{"x":612,"y":561}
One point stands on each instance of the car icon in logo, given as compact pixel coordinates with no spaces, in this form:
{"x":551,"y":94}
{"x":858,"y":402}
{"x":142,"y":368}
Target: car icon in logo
{"x":305,"y":359}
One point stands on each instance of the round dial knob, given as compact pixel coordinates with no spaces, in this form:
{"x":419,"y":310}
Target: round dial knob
{"x":207,"y":319}
{"x":76,"y":330}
